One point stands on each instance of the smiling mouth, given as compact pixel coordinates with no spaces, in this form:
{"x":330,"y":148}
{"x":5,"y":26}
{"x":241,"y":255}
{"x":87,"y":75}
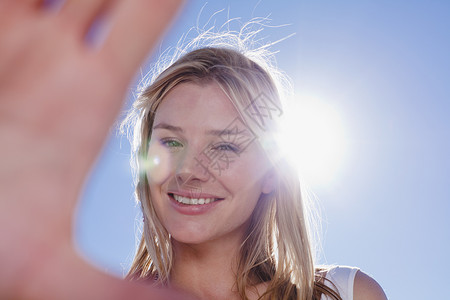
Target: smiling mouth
{"x":193,"y":201}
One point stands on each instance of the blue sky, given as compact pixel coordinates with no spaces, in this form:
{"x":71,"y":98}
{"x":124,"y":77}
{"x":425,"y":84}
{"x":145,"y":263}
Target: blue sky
{"x":385,"y":67}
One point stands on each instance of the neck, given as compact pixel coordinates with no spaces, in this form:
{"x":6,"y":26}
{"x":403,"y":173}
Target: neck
{"x":206,"y":270}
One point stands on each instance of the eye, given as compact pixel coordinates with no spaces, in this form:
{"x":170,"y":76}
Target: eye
{"x":171,"y":143}
{"x":226,"y":147}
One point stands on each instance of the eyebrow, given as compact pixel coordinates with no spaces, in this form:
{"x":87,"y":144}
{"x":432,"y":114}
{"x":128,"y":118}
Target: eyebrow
{"x":225,"y":131}
{"x":216,"y":132}
{"x":168,"y":127}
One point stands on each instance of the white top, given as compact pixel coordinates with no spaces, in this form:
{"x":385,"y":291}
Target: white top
{"x":343,"y":278}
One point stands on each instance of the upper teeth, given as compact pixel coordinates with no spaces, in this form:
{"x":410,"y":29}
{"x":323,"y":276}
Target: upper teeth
{"x":193,"y":201}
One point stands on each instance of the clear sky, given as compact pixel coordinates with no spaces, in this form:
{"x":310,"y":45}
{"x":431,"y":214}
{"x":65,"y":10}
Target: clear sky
{"x":383,"y":67}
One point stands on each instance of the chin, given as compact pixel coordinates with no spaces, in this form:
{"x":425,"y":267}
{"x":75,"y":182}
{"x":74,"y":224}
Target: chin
{"x":188,"y":240}
{"x":187,"y":236}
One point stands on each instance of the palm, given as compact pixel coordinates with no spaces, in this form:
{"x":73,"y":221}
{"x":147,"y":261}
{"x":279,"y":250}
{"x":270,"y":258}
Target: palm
{"x":58,"y":98}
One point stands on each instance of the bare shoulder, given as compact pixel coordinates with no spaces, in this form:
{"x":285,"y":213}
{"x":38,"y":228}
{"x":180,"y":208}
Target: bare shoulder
{"x":366,"y":288}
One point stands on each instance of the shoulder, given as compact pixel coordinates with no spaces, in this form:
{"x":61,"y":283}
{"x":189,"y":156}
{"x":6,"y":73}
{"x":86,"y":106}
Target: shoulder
{"x":365,"y":287}
{"x":352,"y":283}
{"x":340,"y":279}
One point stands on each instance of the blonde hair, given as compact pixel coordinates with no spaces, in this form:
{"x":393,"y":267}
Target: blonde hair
{"x":277,"y":248}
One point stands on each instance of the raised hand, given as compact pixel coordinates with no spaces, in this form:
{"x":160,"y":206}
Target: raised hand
{"x":60,"y":90}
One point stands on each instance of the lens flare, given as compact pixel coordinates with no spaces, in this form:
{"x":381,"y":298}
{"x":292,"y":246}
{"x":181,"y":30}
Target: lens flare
{"x":157,"y":162}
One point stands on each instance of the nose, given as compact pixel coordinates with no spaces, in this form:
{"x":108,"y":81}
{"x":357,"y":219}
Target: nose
{"x":192,"y":169}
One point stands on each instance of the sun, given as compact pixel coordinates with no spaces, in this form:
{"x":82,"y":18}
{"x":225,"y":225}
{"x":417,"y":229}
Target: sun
{"x":313,"y":137}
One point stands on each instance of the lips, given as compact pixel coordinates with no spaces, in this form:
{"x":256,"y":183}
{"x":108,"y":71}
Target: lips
{"x":201,"y":200}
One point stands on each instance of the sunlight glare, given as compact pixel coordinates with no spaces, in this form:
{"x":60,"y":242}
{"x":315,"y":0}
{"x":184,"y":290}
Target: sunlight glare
{"x":313,"y":138}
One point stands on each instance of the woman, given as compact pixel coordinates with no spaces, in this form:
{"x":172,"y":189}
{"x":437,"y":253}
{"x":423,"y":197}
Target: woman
{"x":223,"y":211}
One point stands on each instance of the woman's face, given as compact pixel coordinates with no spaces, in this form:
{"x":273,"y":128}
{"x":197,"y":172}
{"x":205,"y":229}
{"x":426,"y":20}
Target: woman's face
{"x":209,"y":170}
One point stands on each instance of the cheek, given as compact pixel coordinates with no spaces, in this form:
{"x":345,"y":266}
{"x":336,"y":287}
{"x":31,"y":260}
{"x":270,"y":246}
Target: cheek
{"x":244,"y":179}
{"x":246,"y":172}
{"x":157,"y":164}
{"x":157,"y":201}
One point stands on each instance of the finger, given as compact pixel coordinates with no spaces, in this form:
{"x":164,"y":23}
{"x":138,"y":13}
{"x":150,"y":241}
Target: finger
{"x":33,"y":3}
{"x":21,"y":3}
{"x":83,"y":12}
{"x":136,"y":25}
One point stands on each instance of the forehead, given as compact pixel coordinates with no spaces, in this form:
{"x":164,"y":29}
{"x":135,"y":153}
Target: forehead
{"x":190,"y":104}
